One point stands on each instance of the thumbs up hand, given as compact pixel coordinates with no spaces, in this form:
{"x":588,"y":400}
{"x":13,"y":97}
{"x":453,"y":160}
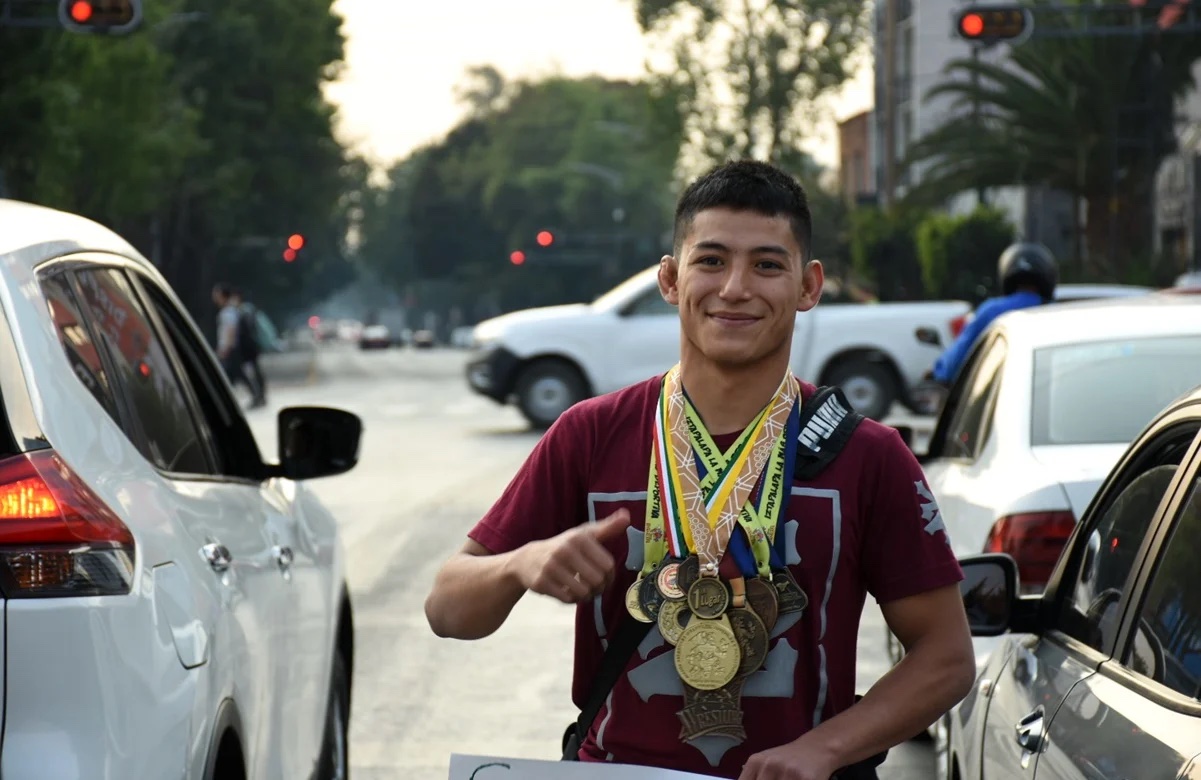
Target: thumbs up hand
{"x":574,"y":566}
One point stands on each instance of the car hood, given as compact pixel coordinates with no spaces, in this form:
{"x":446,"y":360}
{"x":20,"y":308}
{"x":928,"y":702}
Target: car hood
{"x":1079,"y":468}
{"x":494,"y":327}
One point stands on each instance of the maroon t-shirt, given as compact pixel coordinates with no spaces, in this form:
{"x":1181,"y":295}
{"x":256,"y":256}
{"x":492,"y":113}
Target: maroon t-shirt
{"x":867,"y":524}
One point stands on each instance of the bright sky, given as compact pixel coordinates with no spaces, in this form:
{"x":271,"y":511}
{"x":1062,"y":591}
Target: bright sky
{"x":404,"y":58}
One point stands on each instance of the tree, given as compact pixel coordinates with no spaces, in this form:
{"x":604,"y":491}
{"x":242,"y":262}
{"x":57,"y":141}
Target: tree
{"x":883,"y":250}
{"x":958,"y":255}
{"x":1088,"y":116}
{"x":750,"y":74}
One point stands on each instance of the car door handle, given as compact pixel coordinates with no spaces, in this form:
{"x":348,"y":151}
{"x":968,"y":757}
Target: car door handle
{"x":1030,"y":731}
{"x":217,"y":556}
{"x":283,"y":556}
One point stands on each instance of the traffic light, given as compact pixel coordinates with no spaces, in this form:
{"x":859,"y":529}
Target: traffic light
{"x":517,"y":257}
{"x":545,"y":238}
{"x":989,"y":24}
{"x":289,"y":255}
{"x":113,"y":17}
{"x":295,"y":242}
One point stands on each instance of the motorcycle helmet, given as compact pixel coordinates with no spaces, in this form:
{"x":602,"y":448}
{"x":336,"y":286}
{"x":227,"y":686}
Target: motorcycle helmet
{"x":1028,"y":263}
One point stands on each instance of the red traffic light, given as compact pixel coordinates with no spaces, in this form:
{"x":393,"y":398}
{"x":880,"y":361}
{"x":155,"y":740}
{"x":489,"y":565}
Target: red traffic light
{"x":295,"y":242}
{"x":517,"y":257}
{"x":971,"y":25}
{"x":100,"y":16}
{"x":989,"y":24}
{"x":289,"y":255}
{"x":545,"y":238}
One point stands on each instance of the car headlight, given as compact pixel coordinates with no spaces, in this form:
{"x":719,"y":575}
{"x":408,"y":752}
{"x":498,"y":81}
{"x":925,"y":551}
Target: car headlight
{"x":483,"y":342}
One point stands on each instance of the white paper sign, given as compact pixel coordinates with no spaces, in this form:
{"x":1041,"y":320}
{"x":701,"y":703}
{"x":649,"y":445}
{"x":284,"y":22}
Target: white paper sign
{"x":493,"y":768}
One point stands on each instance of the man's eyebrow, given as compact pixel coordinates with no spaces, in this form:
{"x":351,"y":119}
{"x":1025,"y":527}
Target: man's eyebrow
{"x":774,"y":249}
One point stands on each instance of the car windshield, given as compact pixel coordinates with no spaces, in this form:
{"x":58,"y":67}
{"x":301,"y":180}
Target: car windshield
{"x":1106,"y":392}
{"x":622,"y":291}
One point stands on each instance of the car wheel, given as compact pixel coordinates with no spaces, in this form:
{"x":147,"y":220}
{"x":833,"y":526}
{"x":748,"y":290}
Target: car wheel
{"x":869,"y":386}
{"x":335,"y":749}
{"x":546,"y":389}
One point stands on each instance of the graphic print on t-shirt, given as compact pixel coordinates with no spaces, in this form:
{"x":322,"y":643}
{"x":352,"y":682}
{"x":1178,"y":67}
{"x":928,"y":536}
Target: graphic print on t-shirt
{"x":777,"y":678}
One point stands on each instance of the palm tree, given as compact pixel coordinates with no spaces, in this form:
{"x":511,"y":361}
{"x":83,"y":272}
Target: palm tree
{"x":1090,"y":116}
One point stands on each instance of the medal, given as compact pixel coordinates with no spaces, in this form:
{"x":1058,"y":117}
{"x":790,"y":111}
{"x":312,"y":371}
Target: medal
{"x":708,"y":598}
{"x":789,"y":593}
{"x":632,"y":603}
{"x":716,"y":713}
{"x":673,"y":617}
{"x":667,"y":580}
{"x":707,"y":655}
{"x":649,"y":597}
{"x":752,"y":640}
{"x":761,"y":597}
{"x":688,"y":573}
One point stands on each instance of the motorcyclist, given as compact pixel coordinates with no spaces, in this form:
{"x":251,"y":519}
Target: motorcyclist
{"x":1028,"y":275}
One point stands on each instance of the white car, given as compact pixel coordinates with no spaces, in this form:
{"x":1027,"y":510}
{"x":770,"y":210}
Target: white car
{"x":1044,"y":406}
{"x":551,"y":357}
{"x":175,"y":607}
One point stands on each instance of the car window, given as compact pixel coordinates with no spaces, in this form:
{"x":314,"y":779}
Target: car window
{"x":969,"y":427}
{"x":238,"y":454}
{"x":1166,"y":644}
{"x":166,"y":432}
{"x":650,"y":303}
{"x":76,"y":341}
{"x":1077,"y":387}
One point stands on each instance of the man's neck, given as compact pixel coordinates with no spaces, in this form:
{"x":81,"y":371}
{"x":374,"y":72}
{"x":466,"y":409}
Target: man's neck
{"x":728,"y":399}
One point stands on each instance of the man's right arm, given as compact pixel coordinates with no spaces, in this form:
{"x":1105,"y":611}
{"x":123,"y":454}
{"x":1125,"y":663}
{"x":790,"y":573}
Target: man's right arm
{"x":949,"y":363}
{"x":475,"y":590}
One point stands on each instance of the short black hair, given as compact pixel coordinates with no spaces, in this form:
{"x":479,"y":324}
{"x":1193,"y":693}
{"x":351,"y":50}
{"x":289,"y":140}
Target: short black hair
{"x":224,"y":289}
{"x":747,"y":185}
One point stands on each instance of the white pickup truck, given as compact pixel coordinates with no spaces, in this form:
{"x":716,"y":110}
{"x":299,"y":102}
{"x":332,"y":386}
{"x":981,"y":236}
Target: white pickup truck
{"x":548,"y":358}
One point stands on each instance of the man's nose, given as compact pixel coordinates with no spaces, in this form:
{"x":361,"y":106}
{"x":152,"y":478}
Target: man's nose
{"x":735,"y":284}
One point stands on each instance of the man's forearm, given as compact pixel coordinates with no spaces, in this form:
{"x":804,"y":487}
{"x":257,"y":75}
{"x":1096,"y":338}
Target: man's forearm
{"x":473,"y":594}
{"x":929,"y":680}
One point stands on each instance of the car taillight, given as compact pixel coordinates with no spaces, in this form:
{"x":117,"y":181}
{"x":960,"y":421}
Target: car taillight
{"x":1035,"y":541}
{"x":957,"y":325}
{"x":57,"y":538}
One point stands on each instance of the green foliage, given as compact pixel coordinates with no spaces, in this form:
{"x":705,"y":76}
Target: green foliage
{"x":883,"y":249}
{"x":749,"y":74}
{"x":958,"y":255}
{"x":558,"y":154}
{"x":1049,"y":116}
{"x":203,"y":137}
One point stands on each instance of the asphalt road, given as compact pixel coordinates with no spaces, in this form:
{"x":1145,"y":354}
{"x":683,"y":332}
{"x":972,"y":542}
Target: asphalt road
{"x":433,"y":459}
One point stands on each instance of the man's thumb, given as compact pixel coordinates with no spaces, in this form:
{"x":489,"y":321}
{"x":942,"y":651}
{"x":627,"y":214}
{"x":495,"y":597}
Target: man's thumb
{"x":612,"y":526}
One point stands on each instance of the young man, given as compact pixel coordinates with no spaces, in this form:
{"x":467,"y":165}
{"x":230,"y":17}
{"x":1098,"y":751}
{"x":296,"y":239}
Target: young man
{"x":774,"y":702}
{"x":230,"y":346}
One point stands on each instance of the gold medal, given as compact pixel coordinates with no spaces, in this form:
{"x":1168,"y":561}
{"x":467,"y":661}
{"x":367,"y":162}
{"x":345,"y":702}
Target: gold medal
{"x":716,"y":713}
{"x":788,"y":591}
{"x":650,"y":600}
{"x":667,"y":579}
{"x":708,"y":597}
{"x":707,"y":655}
{"x":761,"y":597}
{"x":673,"y":617}
{"x":632,"y":603}
{"x":752,"y":639}
{"x":688,"y":573}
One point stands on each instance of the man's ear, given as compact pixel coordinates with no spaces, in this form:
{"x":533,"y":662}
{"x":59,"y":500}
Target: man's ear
{"x":813,"y":276}
{"x":669,"y":279}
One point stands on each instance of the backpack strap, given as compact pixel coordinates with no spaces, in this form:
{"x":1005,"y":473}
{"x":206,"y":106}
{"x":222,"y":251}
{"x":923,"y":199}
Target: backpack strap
{"x":826,"y":424}
{"x":629,"y":635}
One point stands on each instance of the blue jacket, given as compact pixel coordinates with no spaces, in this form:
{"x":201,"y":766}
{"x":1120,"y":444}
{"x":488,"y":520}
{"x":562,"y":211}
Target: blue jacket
{"x":949,"y":363}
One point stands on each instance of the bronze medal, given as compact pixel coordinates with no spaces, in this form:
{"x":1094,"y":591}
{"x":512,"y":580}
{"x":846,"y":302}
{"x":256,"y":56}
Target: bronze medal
{"x":632,"y":602}
{"x":761,"y":597}
{"x":667,"y":580}
{"x":752,"y":640}
{"x":688,"y":573}
{"x":707,"y":655}
{"x":716,"y":713}
{"x":649,"y":598}
{"x":791,"y":597}
{"x":708,"y":597}
{"x":673,"y":617}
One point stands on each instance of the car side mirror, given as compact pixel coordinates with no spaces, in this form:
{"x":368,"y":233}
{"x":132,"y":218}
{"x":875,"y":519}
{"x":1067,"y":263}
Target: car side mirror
{"x":989,"y":590}
{"x":928,"y":335}
{"x":317,"y":441}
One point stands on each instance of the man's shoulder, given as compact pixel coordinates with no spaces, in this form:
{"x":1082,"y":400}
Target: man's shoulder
{"x":634,"y":400}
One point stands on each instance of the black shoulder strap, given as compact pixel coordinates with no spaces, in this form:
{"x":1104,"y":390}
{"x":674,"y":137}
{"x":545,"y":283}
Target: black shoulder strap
{"x":617,"y":655}
{"x":827,"y":422}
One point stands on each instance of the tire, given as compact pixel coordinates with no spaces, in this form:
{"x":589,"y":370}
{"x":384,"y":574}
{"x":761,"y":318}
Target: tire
{"x":334,"y":763}
{"x":869,"y":386}
{"x":546,"y":389}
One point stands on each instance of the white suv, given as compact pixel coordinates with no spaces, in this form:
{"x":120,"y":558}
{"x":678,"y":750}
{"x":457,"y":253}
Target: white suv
{"x":174,"y":606}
